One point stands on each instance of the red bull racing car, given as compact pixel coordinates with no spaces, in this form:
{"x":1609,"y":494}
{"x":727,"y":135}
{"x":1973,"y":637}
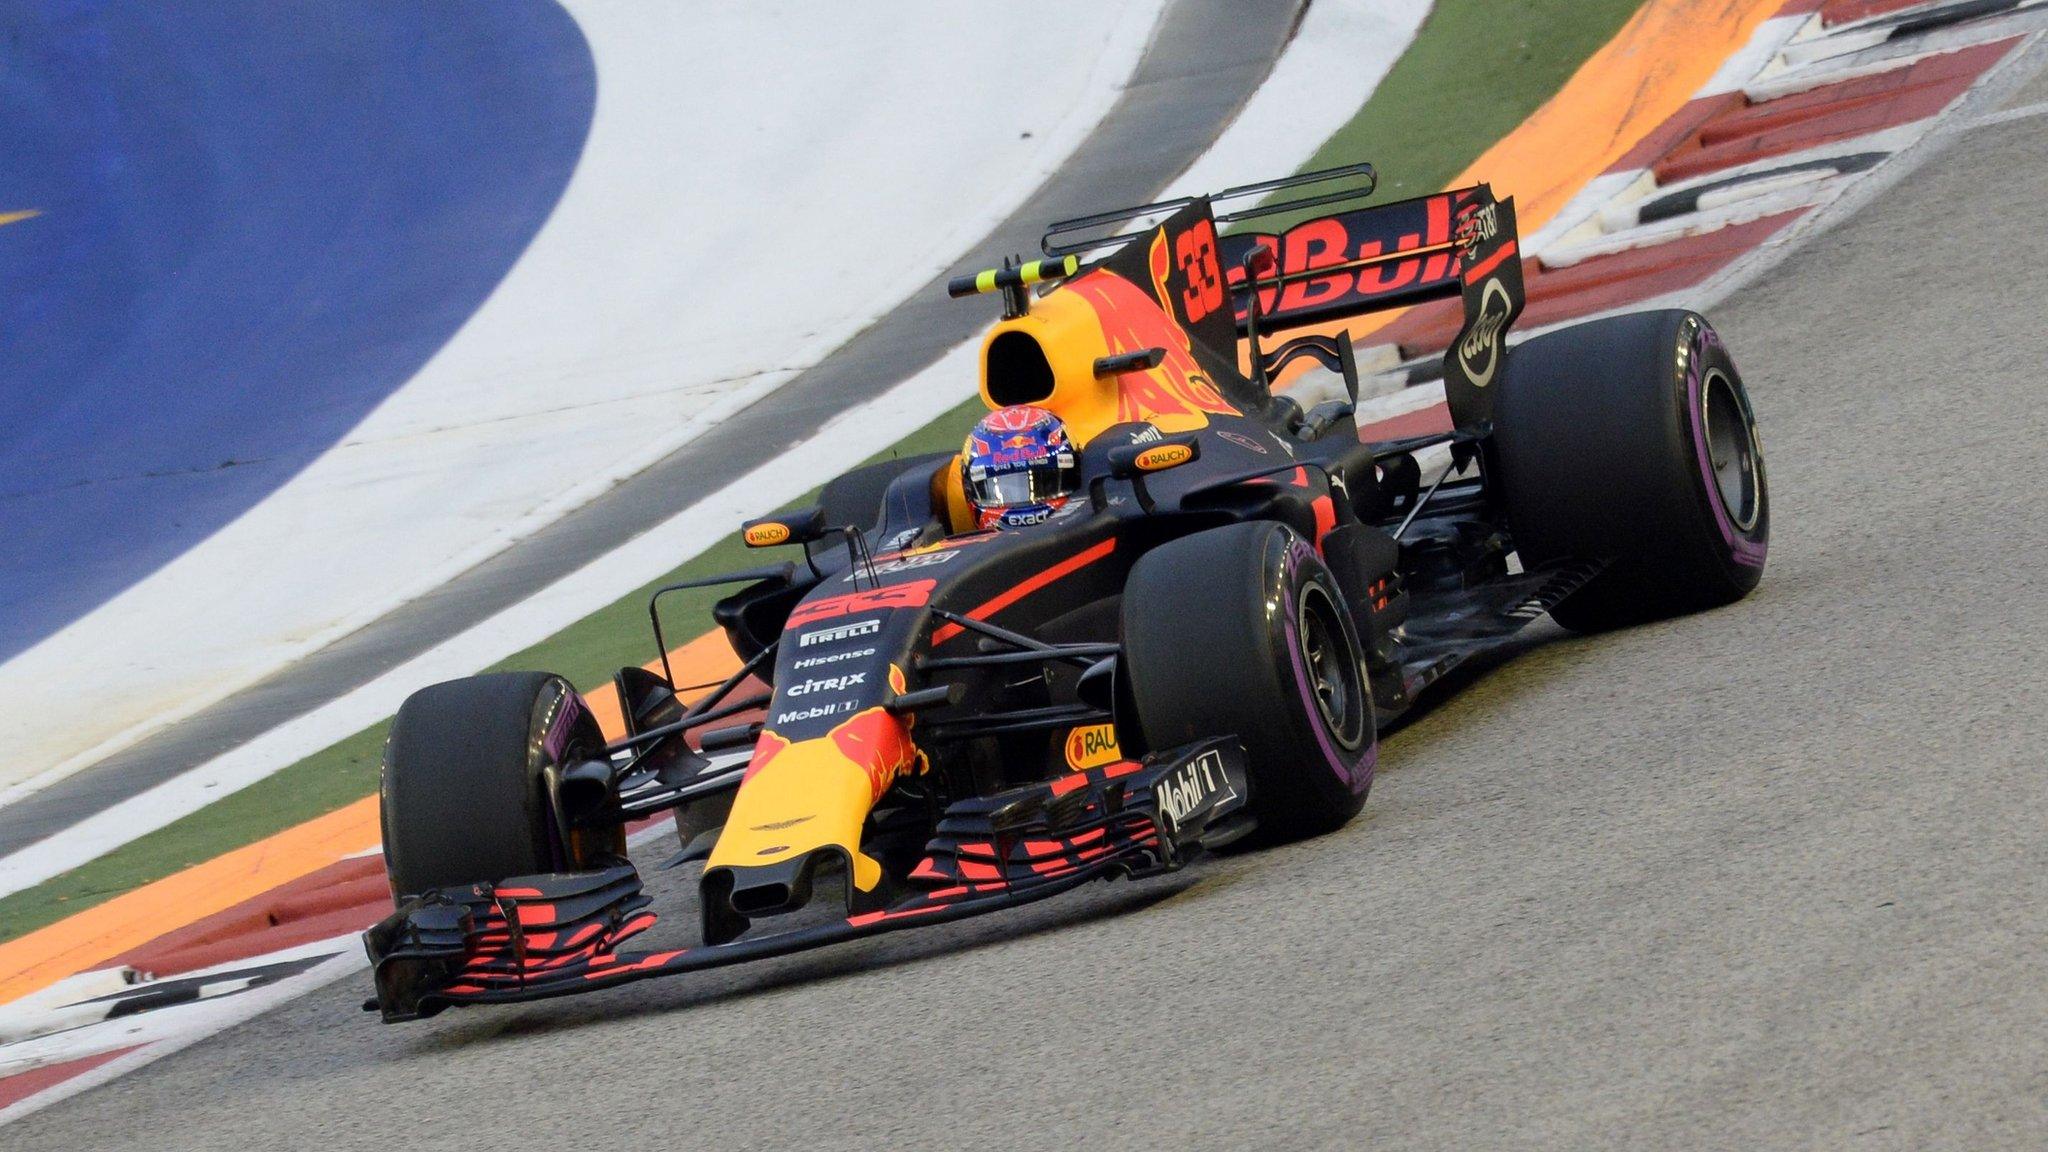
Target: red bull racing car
{"x":1191,"y":644}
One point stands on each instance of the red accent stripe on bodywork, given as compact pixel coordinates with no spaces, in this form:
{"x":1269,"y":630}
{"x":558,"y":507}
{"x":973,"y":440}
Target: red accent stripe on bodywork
{"x":996,"y":604}
{"x":1477,"y":272}
{"x":1326,"y":518}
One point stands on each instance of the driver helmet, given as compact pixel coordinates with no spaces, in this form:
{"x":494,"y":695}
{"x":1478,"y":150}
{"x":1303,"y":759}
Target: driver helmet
{"x":1018,"y":467}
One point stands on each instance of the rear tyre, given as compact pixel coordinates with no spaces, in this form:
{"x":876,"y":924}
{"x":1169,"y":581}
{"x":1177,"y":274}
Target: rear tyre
{"x":1631,"y":439}
{"x":464,"y":792}
{"x":1241,"y":631}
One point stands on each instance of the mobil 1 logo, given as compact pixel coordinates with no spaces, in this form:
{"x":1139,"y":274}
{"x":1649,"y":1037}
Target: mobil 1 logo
{"x":1197,"y":786}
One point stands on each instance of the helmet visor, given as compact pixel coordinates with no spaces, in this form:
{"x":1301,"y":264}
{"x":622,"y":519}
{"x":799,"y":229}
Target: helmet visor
{"x":1033,"y":485}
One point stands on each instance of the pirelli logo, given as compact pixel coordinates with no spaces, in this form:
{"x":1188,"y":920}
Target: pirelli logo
{"x":842,"y":632}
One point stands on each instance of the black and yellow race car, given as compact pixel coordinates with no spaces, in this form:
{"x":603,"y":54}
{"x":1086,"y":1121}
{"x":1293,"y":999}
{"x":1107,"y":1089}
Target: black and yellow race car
{"x":1198,"y":651}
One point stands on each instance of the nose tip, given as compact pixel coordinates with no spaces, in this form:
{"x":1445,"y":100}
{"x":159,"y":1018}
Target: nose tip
{"x":756,"y":890}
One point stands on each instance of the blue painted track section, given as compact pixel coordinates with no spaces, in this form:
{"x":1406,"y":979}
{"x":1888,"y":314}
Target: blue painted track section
{"x":258,"y":220}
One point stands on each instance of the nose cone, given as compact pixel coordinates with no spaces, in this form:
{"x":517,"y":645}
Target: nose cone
{"x":801,"y":803}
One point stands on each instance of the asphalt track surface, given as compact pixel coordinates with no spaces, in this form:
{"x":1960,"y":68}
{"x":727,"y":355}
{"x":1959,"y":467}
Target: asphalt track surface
{"x":1208,"y":58}
{"x":1775,"y":876}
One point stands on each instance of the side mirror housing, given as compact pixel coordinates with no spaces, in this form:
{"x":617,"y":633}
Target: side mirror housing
{"x":1132,"y":461}
{"x":800,"y":527}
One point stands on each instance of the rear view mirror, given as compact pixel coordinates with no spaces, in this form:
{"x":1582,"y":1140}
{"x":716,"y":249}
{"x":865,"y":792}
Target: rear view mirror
{"x":1134,"y":460}
{"x":800,"y":527}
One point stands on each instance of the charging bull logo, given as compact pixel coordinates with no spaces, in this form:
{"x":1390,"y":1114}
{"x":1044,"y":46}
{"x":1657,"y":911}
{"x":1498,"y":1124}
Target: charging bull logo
{"x":1177,"y":395}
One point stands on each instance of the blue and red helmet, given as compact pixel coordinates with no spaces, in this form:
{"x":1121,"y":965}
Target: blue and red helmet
{"x":1018,"y":467}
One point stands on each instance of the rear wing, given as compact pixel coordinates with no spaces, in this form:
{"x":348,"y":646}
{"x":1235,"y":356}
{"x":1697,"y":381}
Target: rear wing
{"x":1351,"y":262}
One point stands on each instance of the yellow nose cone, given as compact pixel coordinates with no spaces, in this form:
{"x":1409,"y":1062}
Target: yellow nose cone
{"x":799,"y":797}
{"x":807,"y":796}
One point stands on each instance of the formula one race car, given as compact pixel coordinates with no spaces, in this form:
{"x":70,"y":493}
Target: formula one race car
{"x":1196,"y":651}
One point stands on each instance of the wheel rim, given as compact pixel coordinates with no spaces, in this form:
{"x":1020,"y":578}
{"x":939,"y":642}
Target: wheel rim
{"x":1732,"y":450}
{"x":1332,"y":668}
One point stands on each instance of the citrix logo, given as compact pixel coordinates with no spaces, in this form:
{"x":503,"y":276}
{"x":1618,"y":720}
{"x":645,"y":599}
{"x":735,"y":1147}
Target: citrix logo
{"x":828,"y":684}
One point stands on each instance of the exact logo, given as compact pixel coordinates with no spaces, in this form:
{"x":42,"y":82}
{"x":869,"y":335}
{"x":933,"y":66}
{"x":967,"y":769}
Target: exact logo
{"x":1092,"y":746}
{"x":835,"y":635}
{"x":1022,"y":519}
{"x":828,"y":684}
{"x":834,"y":658}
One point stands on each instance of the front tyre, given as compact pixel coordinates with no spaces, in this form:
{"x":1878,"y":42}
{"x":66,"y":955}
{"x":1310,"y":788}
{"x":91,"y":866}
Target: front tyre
{"x":1241,"y":631}
{"x":464,"y":796}
{"x":1631,"y":439}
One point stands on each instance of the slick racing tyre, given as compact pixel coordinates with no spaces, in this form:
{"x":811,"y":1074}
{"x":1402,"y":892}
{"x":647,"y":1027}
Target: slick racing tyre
{"x":1241,"y":631}
{"x":1631,"y":440}
{"x":464,"y":793}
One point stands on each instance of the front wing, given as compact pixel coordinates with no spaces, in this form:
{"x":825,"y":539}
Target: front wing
{"x":536,"y":937}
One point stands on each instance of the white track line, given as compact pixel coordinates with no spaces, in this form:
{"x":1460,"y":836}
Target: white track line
{"x":167,"y":1030}
{"x":2024,"y":112}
